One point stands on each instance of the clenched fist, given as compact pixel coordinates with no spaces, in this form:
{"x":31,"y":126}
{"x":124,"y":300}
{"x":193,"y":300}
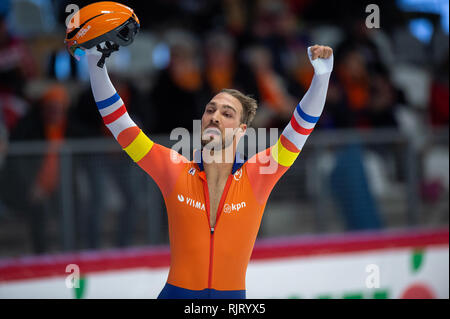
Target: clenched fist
{"x":320,"y":51}
{"x":321,"y":58}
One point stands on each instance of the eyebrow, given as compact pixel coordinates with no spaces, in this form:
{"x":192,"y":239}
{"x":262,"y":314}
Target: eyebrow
{"x":225,"y":106}
{"x":229,"y":107}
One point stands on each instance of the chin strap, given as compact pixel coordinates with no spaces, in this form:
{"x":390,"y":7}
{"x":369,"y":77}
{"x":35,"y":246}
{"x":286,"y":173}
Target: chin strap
{"x":106,"y":52}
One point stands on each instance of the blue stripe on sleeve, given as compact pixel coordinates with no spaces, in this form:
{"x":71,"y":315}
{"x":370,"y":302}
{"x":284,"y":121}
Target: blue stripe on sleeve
{"x":306,"y":117}
{"x":109,"y":101}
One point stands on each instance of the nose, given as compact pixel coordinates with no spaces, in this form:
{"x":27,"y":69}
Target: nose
{"x":215,"y":117}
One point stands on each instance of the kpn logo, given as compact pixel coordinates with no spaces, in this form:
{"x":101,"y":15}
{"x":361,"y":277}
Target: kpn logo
{"x":228,"y":208}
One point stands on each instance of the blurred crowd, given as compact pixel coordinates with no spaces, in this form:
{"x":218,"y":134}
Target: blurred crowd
{"x":382,"y":77}
{"x":256,"y":46}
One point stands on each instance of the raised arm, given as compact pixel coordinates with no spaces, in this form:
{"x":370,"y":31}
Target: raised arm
{"x":162,"y":164}
{"x":308,"y":111}
{"x":114,"y":112}
{"x":264,"y":173}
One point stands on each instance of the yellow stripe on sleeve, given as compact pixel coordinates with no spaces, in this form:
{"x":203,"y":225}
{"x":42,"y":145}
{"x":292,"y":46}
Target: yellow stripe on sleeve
{"x":140,"y":146}
{"x":282,"y":155}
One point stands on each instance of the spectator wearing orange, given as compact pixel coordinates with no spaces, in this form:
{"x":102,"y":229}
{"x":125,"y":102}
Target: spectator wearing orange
{"x":38,"y":177}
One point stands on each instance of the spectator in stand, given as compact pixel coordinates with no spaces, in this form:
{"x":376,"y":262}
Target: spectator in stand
{"x":439,"y":95}
{"x":276,"y":27}
{"x":220,"y":62}
{"x":384,"y":100}
{"x":337,"y":114}
{"x":3,"y":151}
{"x":16,"y":68}
{"x":180,"y":84}
{"x":353,"y":76}
{"x":91,"y":207}
{"x":223,"y":67}
{"x":34,"y":180}
{"x":275,"y":101}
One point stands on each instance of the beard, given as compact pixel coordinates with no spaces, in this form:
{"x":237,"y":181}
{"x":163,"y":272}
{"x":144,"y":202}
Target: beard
{"x":219,"y":147}
{"x":216,"y":140}
{"x":216,"y":149}
{"x":212,"y":143}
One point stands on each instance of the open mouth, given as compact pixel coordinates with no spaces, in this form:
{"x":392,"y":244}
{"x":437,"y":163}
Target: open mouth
{"x":212,"y":131}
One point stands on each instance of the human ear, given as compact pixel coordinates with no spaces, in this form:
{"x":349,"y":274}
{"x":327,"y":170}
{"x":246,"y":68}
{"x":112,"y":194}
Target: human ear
{"x":243,"y":128}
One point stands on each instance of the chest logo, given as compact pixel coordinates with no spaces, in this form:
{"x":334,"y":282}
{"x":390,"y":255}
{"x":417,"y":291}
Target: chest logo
{"x":228,"y":208}
{"x":192,"y":171}
{"x":191,"y":202}
{"x":237,"y":175}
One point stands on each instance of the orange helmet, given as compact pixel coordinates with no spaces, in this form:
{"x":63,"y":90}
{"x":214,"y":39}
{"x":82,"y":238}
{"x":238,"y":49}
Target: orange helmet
{"x":101,"y":22}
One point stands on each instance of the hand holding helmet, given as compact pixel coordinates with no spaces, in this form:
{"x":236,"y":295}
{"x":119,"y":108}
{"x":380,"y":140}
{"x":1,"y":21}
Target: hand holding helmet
{"x":105,"y":22}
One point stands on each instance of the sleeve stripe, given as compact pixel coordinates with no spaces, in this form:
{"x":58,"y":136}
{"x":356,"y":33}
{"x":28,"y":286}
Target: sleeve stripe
{"x":282,"y":155}
{"x":115,"y":115}
{"x":109,"y":101}
{"x":302,"y":122}
{"x":120,"y":124}
{"x":110,"y":109}
{"x":306,"y":117}
{"x":139,"y":147}
{"x":300,"y":129}
{"x":128,"y":135}
{"x":288,"y":144}
{"x":297,"y":139}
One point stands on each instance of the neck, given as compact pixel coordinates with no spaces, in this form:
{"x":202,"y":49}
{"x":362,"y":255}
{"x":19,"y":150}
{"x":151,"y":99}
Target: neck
{"x":219,"y":162}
